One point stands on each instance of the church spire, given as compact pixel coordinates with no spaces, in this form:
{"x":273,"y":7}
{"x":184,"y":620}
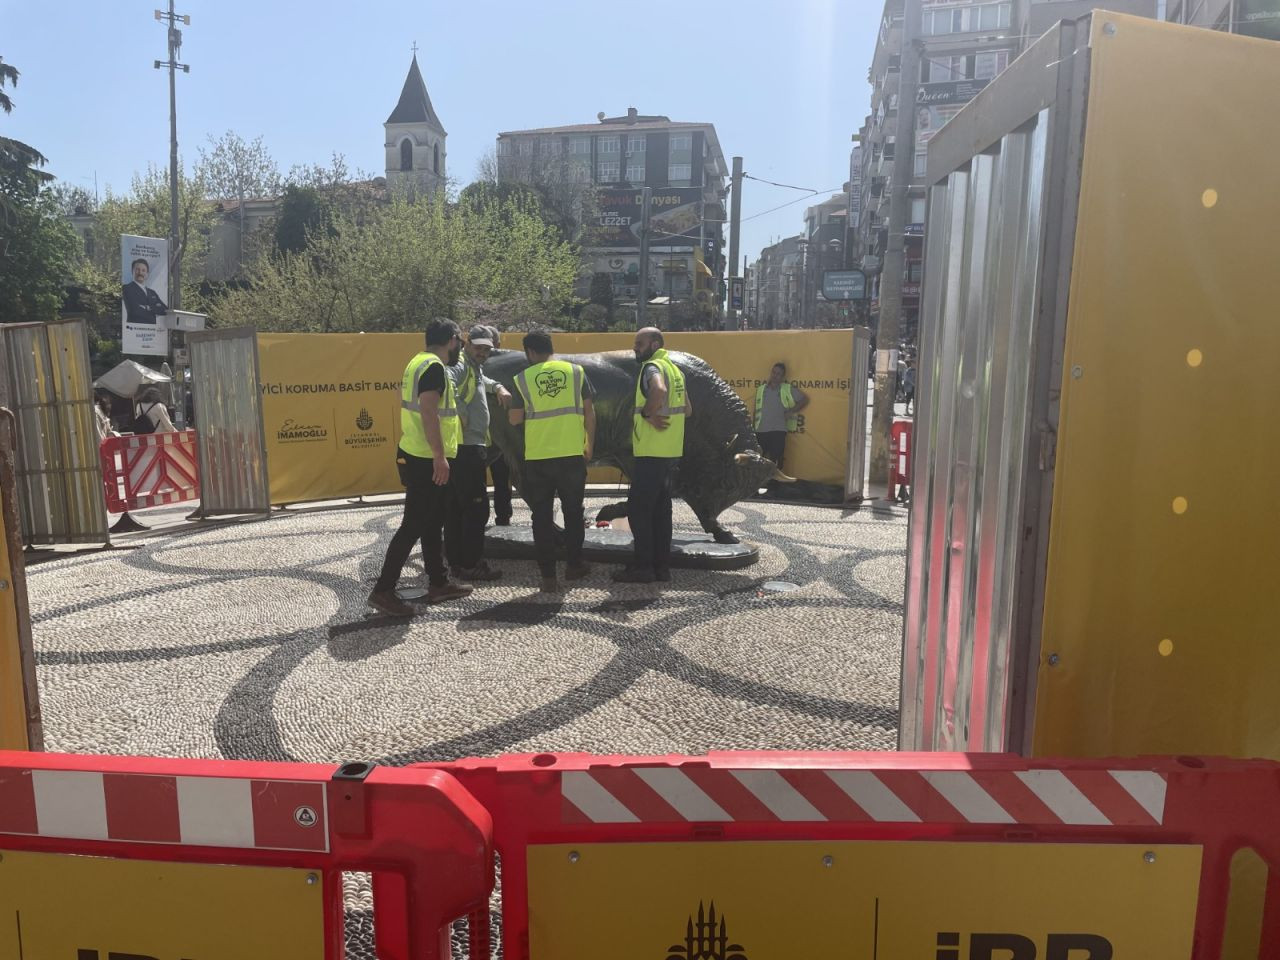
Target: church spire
{"x":414,"y":105}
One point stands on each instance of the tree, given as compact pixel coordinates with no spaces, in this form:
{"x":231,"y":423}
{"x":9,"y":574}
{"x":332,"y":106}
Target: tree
{"x":303,"y":211}
{"x":236,"y":169}
{"x":142,"y":211}
{"x":408,"y":261}
{"x":602,"y":291}
{"x":36,"y":243}
{"x":567,"y":199}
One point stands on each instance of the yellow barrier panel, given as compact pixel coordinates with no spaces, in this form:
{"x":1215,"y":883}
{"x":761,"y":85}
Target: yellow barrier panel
{"x":58,"y":905}
{"x":1163,"y":544}
{"x":331,"y":402}
{"x":979,"y":901}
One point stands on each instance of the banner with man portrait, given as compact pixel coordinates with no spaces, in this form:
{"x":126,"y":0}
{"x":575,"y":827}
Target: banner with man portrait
{"x":144,"y":284}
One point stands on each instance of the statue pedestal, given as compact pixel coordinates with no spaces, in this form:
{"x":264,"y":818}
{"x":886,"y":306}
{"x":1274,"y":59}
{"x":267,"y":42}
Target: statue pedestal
{"x":606,"y":545}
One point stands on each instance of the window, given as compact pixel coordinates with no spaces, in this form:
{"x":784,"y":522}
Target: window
{"x":987,"y":65}
{"x":681,"y":143}
{"x":966,"y":19}
{"x":607,"y":171}
{"x":890,"y":148}
{"x":679,"y":171}
{"x":921,"y":164}
{"x":504,"y":148}
{"x":88,"y":245}
{"x":636,"y":144}
{"x":917,"y":210}
{"x":580,"y":145}
{"x":635,"y":172}
{"x":607,"y":145}
{"x":915,"y":271}
{"x":406,"y":154}
{"x":526,"y":147}
{"x":435,"y":158}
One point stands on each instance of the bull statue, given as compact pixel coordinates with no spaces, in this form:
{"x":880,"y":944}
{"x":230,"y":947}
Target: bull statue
{"x":722,"y":462}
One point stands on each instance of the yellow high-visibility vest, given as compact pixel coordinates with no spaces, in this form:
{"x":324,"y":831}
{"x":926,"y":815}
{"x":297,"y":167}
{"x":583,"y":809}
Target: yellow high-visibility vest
{"x":554,"y":410}
{"x":413,"y":439}
{"x":647,"y":440}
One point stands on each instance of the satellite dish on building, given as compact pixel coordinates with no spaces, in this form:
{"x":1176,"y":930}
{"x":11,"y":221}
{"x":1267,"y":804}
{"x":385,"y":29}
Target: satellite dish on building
{"x":600,"y":115}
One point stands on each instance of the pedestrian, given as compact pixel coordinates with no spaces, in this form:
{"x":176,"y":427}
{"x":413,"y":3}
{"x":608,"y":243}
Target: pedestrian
{"x":777,"y":404}
{"x":429,"y":440}
{"x":553,"y":401}
{"x":150,"y":414}
{"x":498,"y":469}
{"x":657,"y":443}
{"x":469,"y":494}
{"x":102,"y":418}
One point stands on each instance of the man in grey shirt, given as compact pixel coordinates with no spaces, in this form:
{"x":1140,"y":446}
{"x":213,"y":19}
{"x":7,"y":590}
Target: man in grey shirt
{"x":469,"y":493}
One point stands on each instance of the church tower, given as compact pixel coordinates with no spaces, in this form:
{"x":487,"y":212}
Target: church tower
{"x":415,"y":140}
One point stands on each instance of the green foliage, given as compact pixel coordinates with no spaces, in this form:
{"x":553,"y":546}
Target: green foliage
{"x":303,"y":211}
{"x":144,"y":212}
{"x":602,"y":291}
{"x":405,"y":262}
{"x":36,"y":243}
{"x":37,"y":248}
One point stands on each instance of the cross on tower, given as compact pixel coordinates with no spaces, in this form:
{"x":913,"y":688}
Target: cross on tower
{"x":415,"y":48}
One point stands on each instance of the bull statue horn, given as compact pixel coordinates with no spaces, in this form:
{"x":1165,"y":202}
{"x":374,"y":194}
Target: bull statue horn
{"x":732,"y":441}
{"x":781,"y":477}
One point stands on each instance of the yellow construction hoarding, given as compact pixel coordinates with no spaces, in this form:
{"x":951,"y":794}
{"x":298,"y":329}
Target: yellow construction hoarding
{"x":331,"y":402}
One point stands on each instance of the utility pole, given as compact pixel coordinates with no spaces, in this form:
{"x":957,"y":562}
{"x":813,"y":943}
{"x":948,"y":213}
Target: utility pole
{"x":895,"y":253}
{"x":642,"y":298}
{"x":735,"y":223}
{"x":175,"y":47}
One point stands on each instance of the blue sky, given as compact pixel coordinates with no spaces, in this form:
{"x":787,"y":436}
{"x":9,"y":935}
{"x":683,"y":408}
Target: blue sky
{"x":784,"y":81}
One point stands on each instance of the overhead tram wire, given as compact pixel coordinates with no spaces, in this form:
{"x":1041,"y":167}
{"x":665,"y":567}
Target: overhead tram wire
{"x":790,"y":203}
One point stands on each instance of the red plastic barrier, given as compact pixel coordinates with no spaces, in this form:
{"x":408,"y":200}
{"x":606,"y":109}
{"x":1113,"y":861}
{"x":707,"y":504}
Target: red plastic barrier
{"x":150,"y":470}
{"x":410,"y":828}
{"x":1209,"y":807}
{"x":900,"y":459}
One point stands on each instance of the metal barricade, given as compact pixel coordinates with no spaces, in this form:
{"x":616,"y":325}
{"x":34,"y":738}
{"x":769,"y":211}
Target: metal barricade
{"x":227,"y":402}
{"x":50,"y":390}
{"x":149,"y":858}
{"x":150,"y":470}
{"x":855,"y":475}
{"x":20,"y":726}
{"x":980,"y":856}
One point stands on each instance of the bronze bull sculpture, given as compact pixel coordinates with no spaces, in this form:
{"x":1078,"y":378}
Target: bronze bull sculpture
{"x":722,"y":462}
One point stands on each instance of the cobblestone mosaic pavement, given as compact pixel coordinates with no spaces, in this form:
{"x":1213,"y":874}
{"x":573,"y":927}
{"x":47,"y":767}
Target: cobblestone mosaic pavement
{"x":252,"y":640}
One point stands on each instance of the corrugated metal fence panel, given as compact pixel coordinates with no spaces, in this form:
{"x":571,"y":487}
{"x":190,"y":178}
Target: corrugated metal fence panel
{"x":51,"y":392}
{"x":227,"y":402}
{"x":989,"y":325}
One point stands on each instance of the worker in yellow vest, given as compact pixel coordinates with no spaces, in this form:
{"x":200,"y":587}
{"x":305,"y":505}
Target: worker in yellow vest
{"x":429,"y":441}
{"x":657,"y":443}
{"x":553,"y":401}
{"x":777,"y":404}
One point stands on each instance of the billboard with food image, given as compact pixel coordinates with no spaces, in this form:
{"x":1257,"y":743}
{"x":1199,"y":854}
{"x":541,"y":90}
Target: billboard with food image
{"x":674,"y":217}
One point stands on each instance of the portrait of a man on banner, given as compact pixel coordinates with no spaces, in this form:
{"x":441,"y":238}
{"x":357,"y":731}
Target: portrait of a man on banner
{"x":144,"y":269}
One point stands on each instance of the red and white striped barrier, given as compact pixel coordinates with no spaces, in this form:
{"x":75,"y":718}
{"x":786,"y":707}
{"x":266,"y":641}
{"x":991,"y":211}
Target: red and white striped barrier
{"x":709,"y":795}
{"x":150,"y":470}
{"x":141,"y":808}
